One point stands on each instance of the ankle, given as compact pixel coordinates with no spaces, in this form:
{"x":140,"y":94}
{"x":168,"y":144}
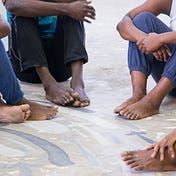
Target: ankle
{"x":77,"y":82}
{"x":138,"y":95}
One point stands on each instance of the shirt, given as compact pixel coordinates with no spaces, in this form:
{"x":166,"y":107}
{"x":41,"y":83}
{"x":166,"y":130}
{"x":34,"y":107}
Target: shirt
{"x":47,"y":25}
{"x":173,"y":15}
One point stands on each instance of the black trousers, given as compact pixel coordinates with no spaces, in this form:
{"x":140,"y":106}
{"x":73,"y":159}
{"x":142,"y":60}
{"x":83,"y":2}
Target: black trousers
{"x":28,"y":50}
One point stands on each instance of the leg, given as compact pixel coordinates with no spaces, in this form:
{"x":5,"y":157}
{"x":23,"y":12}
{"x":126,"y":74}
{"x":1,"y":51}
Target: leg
{"x":29,"y":59}
{"x":138,"y":61}
{"x":38,"y":112}
{"x":138,"y":80}
{"x":11,"y":92}
{"x":158,"y":157}
{"x":150,"y":103}
{"x":140,"y":67}
{"x":77,"y":84}
{"x":76,"y":56}
{"x":142,"y":160}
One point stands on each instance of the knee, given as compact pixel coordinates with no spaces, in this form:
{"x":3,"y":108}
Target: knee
{"x":142,"y":19}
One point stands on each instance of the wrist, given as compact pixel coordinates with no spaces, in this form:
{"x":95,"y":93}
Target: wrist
{"x":64,"y":8}
{"x":140,"y":36}
{"x":162,"y":38}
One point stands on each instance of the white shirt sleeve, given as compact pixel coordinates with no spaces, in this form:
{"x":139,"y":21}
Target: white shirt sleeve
{"x":173,"y":16}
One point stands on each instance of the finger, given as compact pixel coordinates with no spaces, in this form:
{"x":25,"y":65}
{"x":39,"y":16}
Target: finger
{"x":90,"y":16}
{"x":90,"y":7}
{"x":155,"y":151}
{"x":90,"y":11}
{"x":168,"y":51}
{"x":86,"y":20}
{"x":157,"y":57}
{"x":164,"y":53}
{"x":171,"y":151}
{"x":143,"y":50}
{"x":160,"y":54}
{"x":150,"y":147}
{"x":162,"y":153}
{"x":88,"y":2}
{"x":139,"y":47}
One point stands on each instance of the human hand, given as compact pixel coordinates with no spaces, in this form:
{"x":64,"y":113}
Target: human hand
{"x":4,"y":27}
{"x":81,"y":10}
{"x":150,"y":43}
{"x":160,"y":147}
{"x":162,"y":54}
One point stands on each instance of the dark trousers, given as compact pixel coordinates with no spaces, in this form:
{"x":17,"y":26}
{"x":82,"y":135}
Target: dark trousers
{"x":28,"y":50}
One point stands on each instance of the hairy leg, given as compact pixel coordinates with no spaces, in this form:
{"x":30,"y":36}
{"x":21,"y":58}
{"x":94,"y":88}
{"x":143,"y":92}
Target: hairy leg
{"x":138,"y":80}
{"x":38,"y":111}
{"x":77,"y":84}
{"x":55,"y":92}
{"x":149,"y":105}
{"x":14,"y":114}
{"x":142,"y":160}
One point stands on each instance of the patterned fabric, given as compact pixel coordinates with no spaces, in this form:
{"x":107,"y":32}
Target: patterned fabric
{"x":47,"y":26}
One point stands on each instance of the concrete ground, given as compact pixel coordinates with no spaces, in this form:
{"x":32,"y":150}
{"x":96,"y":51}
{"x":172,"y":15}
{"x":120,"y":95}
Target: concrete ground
{"x":87,"y":141}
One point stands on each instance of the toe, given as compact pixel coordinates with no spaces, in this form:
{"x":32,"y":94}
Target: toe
{"x":76,"y":103}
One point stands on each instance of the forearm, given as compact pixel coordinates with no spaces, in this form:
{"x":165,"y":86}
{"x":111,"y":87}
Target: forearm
{"x":128,"y":31}
{"x":168,"y":37}
{"x":34,"y":8}
{"x":64,"y":1}
{"x":4,"y":28}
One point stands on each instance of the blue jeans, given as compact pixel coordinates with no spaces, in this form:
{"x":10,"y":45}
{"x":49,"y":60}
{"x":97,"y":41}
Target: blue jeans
{"x":9,"y":85}
{"x":138,"y":61}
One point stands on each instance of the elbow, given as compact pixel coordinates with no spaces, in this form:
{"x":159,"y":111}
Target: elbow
{"x":5,"y":31}
{"x":12,"y":6}
{"x":121,"y":29}
{"x":118,"y":27}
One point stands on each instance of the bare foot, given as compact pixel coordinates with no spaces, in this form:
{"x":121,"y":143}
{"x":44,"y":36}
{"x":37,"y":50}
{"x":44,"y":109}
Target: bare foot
{"x":140,"y":109}
{"x":142,"y":160}
{"x":40,"y":112}
{"x":129,"y":101}
{"x":59,"y":94}
{"x":14,"y":114}
{"x":82,"y":100}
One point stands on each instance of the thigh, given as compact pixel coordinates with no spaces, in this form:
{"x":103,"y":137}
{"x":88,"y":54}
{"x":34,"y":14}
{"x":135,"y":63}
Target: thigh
{"x":74,"y":40}
{"x":147,"y":22}
{"x":25,"y":48}
{"x":54,"y":50}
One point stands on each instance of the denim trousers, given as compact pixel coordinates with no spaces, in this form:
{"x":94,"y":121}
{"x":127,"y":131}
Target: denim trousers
{"x":9,"y":85}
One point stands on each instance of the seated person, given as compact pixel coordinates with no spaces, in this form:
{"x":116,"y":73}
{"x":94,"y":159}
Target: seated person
{"x":47,"y":46}
{"x":151,"y":51}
